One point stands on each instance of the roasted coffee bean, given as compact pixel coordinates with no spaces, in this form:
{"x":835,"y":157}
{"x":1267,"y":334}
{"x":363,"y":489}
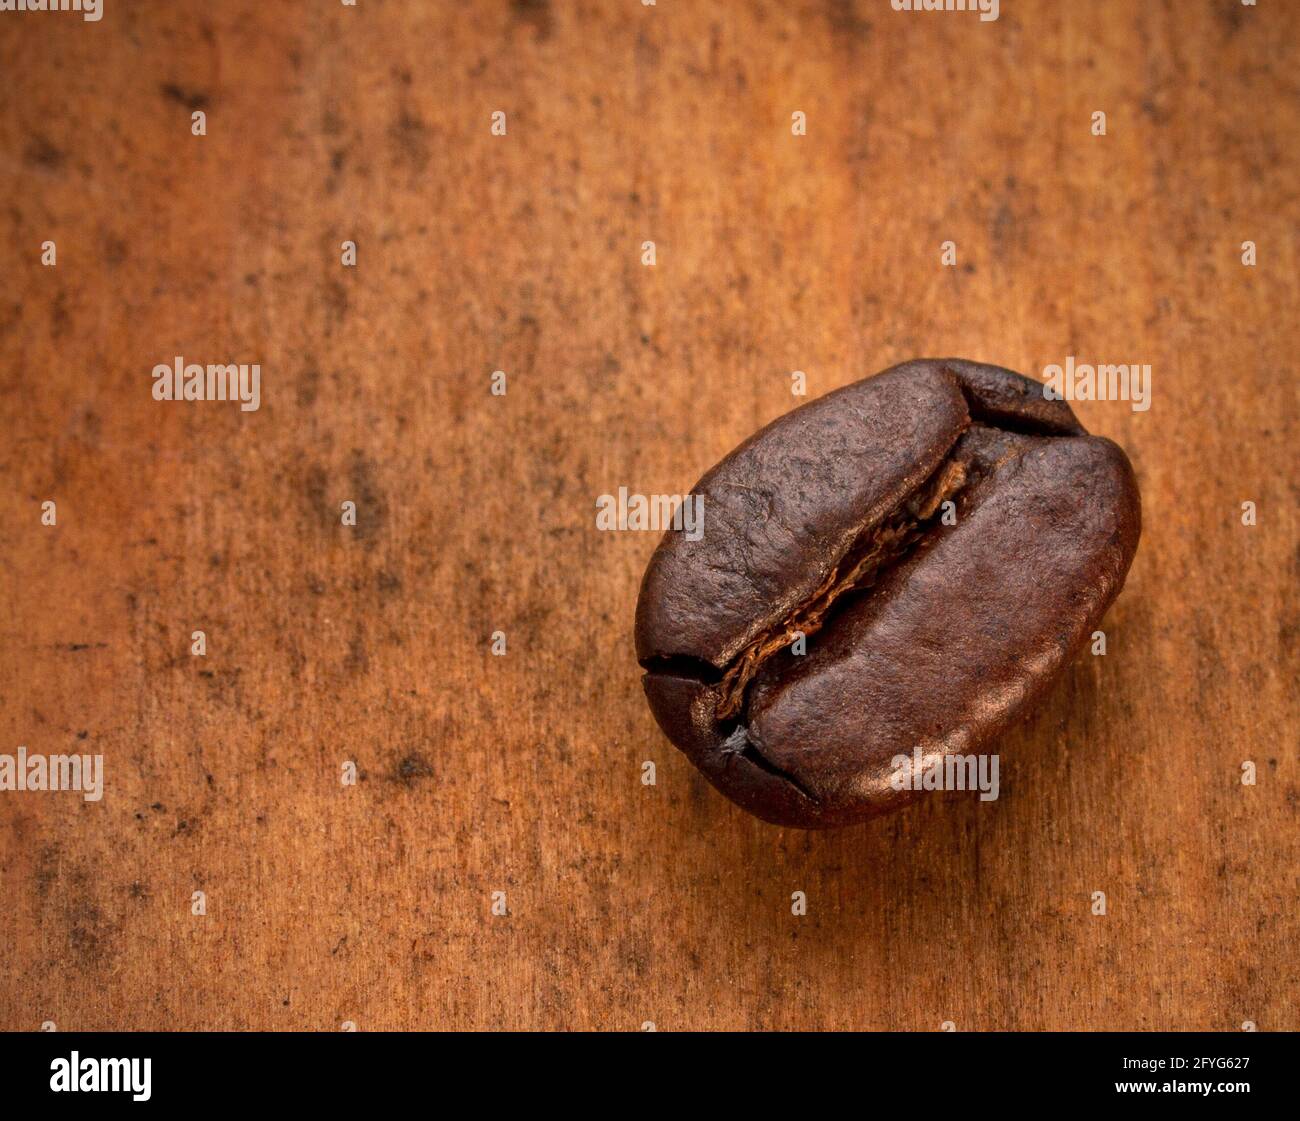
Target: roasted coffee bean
{"x":922,"y":631}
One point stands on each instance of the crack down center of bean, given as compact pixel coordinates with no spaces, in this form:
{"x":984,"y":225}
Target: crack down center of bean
{"x":861,"y":566}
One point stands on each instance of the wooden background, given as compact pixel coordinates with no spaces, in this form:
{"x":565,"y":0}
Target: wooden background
{"x":521,"y":773}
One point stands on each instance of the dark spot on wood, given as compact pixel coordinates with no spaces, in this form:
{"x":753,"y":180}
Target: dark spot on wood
{"x":411,"y":768}
{"x":1002,"y":230}
{"x":192,"y":99}
{"x":308,"y":386}
{"x":409,"y":136}
{"x":843,"y":18}
{"x":357,"y":660}
{"x":114,"y":250}
{"x":41,"y":153}
{"x":335,"y":298}
{"x":372,"y":508}
{"x":537,"y":14}
{"x":59,"y":317}
{"x":315,"y":489}
{"x":86,"y":936}
{"x":1232,"y":15}
{"x":1154,"y":112}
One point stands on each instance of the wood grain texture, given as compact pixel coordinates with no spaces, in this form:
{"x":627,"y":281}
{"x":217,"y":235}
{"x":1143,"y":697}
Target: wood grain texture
{"x":522,"y":253}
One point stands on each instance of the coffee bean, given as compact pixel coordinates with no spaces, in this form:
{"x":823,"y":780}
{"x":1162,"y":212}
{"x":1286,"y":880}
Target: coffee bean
{"x":921,"y":630}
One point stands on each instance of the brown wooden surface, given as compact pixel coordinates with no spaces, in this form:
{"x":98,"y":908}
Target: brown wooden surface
{"x":522,"y":253}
